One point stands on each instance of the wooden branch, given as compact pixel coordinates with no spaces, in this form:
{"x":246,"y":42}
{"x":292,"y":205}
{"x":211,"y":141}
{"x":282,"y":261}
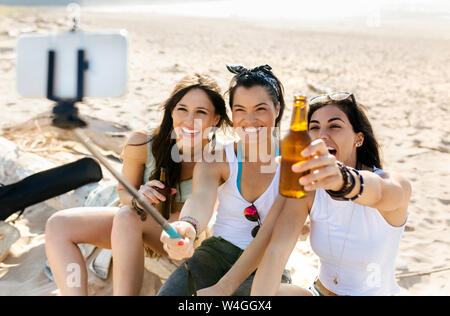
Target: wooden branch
{"x":441,"y":150}
{"x":109,"y":136}
{"x":413,"y":274}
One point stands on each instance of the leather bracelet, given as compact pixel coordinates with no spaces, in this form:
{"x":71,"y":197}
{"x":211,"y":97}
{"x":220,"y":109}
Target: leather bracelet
{"x":361,"y":188}
{"x":349,"y":182}
{"x":138,"y":209}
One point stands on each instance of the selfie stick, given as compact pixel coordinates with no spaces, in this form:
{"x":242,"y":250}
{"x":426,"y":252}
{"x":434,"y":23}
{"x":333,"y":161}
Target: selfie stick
{"x":66,"y":117}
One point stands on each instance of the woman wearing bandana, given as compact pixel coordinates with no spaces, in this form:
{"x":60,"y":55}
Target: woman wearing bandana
{"x":243,"y":179}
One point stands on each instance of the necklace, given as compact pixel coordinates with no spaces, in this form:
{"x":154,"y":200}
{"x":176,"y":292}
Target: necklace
{"x":336,"y":278}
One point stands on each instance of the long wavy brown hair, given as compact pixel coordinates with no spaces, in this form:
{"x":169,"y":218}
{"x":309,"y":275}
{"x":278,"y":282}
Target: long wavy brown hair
{"x":161,"y":139}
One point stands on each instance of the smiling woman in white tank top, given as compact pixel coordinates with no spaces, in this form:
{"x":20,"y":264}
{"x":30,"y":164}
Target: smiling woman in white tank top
{"x":245,"y":188}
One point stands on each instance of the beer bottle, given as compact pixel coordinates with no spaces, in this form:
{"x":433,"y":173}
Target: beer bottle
{"x":291,"y":147}
{"x":164,"y":206}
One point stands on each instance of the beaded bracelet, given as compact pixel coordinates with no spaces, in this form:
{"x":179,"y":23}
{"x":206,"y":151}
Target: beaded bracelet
{"x":361,"y":189}
{"x":193,"y":222}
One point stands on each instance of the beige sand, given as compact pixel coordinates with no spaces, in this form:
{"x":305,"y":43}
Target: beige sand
{"x":401,"y":74}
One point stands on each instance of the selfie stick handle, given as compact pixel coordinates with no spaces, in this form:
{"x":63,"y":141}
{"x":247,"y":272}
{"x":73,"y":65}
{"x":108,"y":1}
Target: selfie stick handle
{"x":66,"y":117}
{"x":150,"y":209}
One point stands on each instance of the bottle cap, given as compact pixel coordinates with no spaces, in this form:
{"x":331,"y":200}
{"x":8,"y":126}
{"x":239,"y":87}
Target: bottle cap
{"x":299,"y":97}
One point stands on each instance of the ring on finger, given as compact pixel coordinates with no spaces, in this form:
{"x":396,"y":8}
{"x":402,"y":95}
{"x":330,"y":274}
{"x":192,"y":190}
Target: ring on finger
{"x":167,"y":248}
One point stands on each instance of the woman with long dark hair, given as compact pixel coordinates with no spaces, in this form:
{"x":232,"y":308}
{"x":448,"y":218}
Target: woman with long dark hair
{"x":194,"y":107}
{"x":357,"y":211}
{"x":245,"y":183}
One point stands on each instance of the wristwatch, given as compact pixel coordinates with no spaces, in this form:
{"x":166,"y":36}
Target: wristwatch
{"x":139,"y":210}
{"x":349,"y":182}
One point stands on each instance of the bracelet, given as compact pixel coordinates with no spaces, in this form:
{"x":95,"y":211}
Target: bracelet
{"x":139,"y":210}
{"x":349,"y":182}
{"x":193,"y":222}
{"x":361,"y":189}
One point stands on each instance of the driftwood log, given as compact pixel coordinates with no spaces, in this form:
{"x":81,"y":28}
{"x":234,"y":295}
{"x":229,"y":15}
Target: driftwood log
{"x":39,"y":135}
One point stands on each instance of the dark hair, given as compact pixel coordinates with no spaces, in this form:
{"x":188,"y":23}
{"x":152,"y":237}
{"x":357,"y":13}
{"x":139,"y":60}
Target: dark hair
{"x":162,"y":141}
{"x":258,"y":76}
{"x":369,"y":153}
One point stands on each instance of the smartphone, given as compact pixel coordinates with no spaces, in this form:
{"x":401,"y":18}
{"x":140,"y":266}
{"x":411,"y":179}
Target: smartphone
{"x":105,"y":58}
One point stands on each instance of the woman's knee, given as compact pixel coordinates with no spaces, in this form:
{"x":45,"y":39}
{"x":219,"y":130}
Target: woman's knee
{"x":126,"y":218}
{"x":60,"y":225}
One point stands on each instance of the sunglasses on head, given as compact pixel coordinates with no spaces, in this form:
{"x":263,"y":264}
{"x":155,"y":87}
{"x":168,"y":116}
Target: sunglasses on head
{"x":339,"y":96}
{"x":251,"y":213}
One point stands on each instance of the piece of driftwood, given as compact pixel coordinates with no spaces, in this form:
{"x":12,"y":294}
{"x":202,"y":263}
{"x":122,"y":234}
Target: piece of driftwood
{"x":38,"y":134}
{"x":441,"y":150}
{"x":414,"y":274}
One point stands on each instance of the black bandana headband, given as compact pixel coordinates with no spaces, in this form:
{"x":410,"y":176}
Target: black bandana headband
{"x":264,"y":71}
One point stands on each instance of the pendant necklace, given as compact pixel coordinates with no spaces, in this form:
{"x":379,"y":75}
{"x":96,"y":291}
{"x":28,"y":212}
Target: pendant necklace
{"x":336,"y":278}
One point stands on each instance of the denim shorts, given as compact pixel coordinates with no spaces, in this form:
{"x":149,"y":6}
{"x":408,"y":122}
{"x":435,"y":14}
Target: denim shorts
{"x":210,"y":262}
{"x":314,"y":290}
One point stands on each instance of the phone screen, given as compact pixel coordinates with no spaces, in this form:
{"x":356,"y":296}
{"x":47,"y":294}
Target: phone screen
{"x":105,"y":54}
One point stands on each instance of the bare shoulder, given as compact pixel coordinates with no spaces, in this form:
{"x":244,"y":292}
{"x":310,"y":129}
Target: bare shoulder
{"x":398,"y":179}
{"x":394,"y":207}
{"x":137,"y":138}
{"x":136,"y":147}
{"x":215,"y":170}
{"x":216,"y":162}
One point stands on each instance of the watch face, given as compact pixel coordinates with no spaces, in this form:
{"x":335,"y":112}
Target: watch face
{"x":348,"y":180}
{"x":350,"y":183}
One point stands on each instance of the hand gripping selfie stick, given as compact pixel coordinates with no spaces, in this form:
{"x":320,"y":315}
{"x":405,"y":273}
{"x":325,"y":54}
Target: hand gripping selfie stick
{"x":66,"y":117}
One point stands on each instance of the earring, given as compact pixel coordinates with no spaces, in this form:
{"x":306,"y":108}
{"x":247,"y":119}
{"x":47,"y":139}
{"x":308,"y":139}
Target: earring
{"x":212,"y":140}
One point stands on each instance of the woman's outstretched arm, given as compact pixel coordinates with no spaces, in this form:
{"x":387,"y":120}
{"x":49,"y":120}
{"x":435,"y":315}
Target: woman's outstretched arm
{"x":284,"y":238}
{"x":198,"y":208}
{"x":388,"y":193}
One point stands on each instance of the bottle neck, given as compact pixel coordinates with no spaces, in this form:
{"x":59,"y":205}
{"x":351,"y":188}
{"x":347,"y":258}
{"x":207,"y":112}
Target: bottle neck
{"x":299,"y":121}
{"x":162,"y":176}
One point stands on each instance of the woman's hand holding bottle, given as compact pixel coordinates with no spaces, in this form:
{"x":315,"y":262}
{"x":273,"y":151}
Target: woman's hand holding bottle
{"x":322,"y":168}
{"x":151,"y":192}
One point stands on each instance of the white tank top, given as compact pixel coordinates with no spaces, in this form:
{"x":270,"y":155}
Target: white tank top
{"x":366,"y":265}
{"x":231,"y":223}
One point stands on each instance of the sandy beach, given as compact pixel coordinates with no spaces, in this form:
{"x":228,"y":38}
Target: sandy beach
{"x":399,"y":71}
